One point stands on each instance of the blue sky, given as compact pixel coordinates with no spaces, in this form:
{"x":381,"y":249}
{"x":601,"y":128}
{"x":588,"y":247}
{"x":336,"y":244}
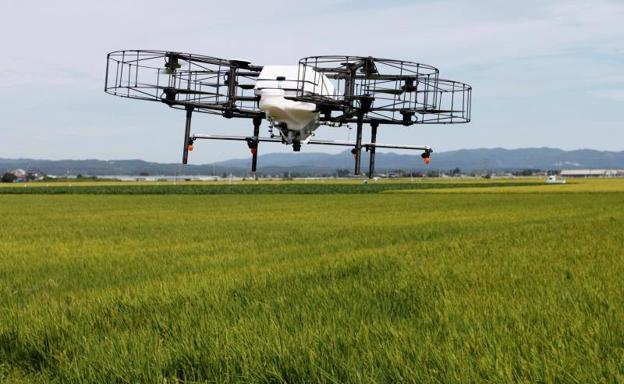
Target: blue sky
{"x":544,"y":73}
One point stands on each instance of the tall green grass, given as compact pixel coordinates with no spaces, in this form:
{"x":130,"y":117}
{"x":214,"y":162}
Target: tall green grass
{"x":297,"y":288}
{"x":245,"y":188}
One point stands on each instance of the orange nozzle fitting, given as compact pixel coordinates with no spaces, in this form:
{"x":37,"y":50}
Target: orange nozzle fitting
{"x":190,"y":147}
{"x":427,"y":160}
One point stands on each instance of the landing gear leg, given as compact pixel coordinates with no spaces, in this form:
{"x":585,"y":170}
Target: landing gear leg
{"x":371,"y":166}
{"x":357,"y":152}
{"x":253,"y":143}
{"x":187,"y":135}
{"x":254,"y":159}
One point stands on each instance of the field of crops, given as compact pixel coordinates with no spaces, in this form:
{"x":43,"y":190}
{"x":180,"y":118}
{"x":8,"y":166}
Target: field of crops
{"x":472,"y":281}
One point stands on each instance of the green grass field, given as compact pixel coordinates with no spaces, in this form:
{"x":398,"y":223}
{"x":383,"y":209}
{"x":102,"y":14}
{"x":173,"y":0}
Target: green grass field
{"x":472,"y":281}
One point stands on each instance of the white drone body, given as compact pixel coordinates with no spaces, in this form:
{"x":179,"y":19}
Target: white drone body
{"x":295,"y":120}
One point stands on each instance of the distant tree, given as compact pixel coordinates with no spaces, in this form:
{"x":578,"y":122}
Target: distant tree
{"x":455,"y":172}
{"x":527,"y":172}
{"x":342,"y":172}
{"x":8,"y":177}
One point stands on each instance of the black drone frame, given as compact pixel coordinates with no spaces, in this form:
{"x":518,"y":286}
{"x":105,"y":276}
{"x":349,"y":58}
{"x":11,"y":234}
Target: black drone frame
{"x":366,"y":90}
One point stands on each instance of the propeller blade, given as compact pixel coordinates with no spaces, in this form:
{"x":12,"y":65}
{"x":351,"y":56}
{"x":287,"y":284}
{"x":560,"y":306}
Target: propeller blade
{"x":171,"y":92}
{"x":436,"y":111}
{"x":225,"y":83}
{"x":386,"y":90}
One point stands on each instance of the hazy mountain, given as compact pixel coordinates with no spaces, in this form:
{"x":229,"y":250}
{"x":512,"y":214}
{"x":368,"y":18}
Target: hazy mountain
{"x":113,"y":167}
{"x":319,"y":163}
{"x":465,"y":159}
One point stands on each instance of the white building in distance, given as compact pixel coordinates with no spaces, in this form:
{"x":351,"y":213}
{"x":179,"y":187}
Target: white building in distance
{"x":592,"y":173}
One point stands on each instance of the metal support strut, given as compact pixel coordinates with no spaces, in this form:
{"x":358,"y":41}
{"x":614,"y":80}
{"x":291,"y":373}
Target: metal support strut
{"x":357,"y":151}
{"x":252,"y":142}
{"x":187,"y":135}
{"x":371,"y":166}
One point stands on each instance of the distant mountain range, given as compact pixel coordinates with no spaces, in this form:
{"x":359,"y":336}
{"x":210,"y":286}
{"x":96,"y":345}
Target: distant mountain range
{"x":467,"y":160}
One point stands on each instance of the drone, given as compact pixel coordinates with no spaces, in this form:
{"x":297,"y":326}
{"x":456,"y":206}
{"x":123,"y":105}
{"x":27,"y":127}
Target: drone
{"x":295,"y":100}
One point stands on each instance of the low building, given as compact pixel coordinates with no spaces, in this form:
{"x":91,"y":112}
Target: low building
{"x":591,"y":172}
{"x":20,"y":175}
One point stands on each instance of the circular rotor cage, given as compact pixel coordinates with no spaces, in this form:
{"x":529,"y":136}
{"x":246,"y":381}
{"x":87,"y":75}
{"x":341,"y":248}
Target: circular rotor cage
{"x":383,"y":90}
{"x":184,"y":80}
